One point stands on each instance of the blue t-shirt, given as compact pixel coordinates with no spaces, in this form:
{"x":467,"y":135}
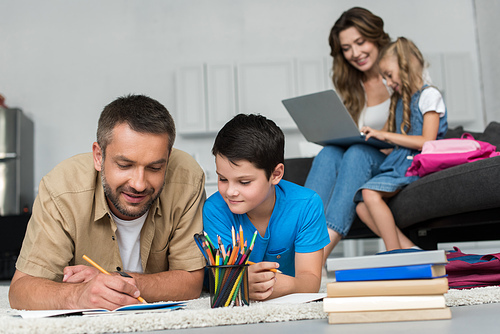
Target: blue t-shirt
{"x":297,"y":224}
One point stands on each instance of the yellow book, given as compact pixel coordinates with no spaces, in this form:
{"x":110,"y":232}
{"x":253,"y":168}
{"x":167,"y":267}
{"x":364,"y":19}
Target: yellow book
{"x":434,"y":286}
{"x":389,"y":316}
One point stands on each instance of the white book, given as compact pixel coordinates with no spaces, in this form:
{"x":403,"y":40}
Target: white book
{"x":383,"y":303}
{"x":387,"y":260}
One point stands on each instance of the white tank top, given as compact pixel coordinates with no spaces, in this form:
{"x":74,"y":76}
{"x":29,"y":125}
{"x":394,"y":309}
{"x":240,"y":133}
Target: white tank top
{"x":375,"y":116}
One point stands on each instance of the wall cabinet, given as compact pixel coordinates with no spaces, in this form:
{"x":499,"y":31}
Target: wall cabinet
{"x":191,"y":96}
{"x":210,"y":94}
{"x":205,"y":97}
{"x":221,"y":95}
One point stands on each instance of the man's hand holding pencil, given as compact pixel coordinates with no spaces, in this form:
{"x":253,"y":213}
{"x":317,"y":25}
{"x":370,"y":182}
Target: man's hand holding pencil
{"x":104,"y":291}
{"x":96,"y":290}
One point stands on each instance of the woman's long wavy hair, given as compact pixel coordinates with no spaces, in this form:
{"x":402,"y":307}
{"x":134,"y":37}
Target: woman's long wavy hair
{"x":411,"y":64}
{"x":347,"y":79}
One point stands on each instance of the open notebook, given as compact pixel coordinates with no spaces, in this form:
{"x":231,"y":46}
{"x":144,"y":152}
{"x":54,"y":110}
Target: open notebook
{"x":135,"y":308}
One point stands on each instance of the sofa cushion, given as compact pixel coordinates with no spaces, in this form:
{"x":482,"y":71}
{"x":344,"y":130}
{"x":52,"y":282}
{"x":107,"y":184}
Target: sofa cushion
{"x":469,"y":187}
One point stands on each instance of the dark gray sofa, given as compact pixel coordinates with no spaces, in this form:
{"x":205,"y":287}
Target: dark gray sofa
{"x":461,"y":203}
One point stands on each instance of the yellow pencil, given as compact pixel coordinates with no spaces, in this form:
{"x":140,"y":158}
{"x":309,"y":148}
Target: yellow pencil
{"x":273,"y":270}
{"x":102,"y":270}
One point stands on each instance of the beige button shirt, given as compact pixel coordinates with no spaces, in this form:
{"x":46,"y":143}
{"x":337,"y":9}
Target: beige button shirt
{"x":71,"y":218}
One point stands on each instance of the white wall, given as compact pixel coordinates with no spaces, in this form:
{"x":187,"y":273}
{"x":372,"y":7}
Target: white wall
{"x":488,"y":26}
{"x":62,"y":61}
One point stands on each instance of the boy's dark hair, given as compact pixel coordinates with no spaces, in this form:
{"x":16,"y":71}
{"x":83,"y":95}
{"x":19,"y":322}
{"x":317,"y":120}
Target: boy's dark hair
{"x":142,"y":113}
{"x":253,"y":138}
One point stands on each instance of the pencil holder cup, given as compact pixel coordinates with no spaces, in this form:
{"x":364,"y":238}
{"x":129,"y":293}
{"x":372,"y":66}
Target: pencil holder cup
{"x":228,"y":285}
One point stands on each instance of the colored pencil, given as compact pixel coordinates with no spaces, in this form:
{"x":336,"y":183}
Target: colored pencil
{"x":233,"y":236}
{"x":253,"y":238}
{"x":234,"y":254}
{"x":228,"y":281}
{"x":242,"y":249}
{"x":221,"y":246}
{"x":210,"y":243}
{"x":198,"y":240}
{"x":209,"y":253}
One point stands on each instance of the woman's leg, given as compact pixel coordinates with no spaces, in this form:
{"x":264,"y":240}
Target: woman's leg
{"x":335,"y":238}
{"x":359,"y":164}
{"x":322,"y":178}
{"x":323,"y":173}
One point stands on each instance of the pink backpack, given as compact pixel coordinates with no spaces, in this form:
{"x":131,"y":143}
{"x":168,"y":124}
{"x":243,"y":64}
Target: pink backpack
{"x":444,"y":153}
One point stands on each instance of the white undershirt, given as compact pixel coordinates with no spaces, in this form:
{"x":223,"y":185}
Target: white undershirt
{"x":128,"y":235}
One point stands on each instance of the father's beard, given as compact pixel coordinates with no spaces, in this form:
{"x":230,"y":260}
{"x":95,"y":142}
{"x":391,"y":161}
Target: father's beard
{"x":134,"y":210}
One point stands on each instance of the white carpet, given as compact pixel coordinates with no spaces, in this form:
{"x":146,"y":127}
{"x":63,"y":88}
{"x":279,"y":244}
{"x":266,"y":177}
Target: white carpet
{"x":197,"y":314}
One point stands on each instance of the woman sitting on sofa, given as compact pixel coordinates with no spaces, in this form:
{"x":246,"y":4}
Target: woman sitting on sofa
{"x":337,"y":172}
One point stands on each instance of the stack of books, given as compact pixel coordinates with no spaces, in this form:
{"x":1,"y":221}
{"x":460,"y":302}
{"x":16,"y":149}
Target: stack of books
{"x":405,"y":286}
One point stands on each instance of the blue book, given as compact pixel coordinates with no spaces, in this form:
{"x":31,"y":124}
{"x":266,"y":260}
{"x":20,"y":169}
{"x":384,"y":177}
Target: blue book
{"x":394,"y":258}
{"x":419,"y":271}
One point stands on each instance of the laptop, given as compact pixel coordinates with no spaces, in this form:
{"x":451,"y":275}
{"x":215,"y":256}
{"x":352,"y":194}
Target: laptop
{"x":323,"y":119}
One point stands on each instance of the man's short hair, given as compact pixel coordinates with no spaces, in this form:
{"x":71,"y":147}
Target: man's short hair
{"x":142,"y":113}
{"x":253,"y":138}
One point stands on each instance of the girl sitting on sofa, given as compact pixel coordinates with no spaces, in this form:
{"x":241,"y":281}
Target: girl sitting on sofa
{"x":417,"y":114}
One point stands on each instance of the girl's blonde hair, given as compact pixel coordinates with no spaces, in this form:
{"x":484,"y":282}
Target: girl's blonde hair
{"x":411,"y":64}
{"x":347,"y":79}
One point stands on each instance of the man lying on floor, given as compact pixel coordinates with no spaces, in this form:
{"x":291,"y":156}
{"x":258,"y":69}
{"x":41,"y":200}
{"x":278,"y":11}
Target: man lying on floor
{"x":132,"y":205}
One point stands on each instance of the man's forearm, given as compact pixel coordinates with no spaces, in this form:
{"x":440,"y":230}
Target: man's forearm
{"x":170,"y":285}
{"x":34,"y":293}
{"x":102,"y":291}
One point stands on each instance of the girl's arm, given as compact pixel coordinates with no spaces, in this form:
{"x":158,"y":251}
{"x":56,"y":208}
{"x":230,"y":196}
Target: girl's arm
{"x":429,"y":132}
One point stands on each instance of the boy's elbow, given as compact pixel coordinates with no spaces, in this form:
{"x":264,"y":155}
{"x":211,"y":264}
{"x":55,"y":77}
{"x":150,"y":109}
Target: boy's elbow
{"x":309,"y":284}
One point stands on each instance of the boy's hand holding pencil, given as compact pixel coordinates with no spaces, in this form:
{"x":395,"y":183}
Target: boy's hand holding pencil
{"x":261,"y":280}
{"x":274,"y":270}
